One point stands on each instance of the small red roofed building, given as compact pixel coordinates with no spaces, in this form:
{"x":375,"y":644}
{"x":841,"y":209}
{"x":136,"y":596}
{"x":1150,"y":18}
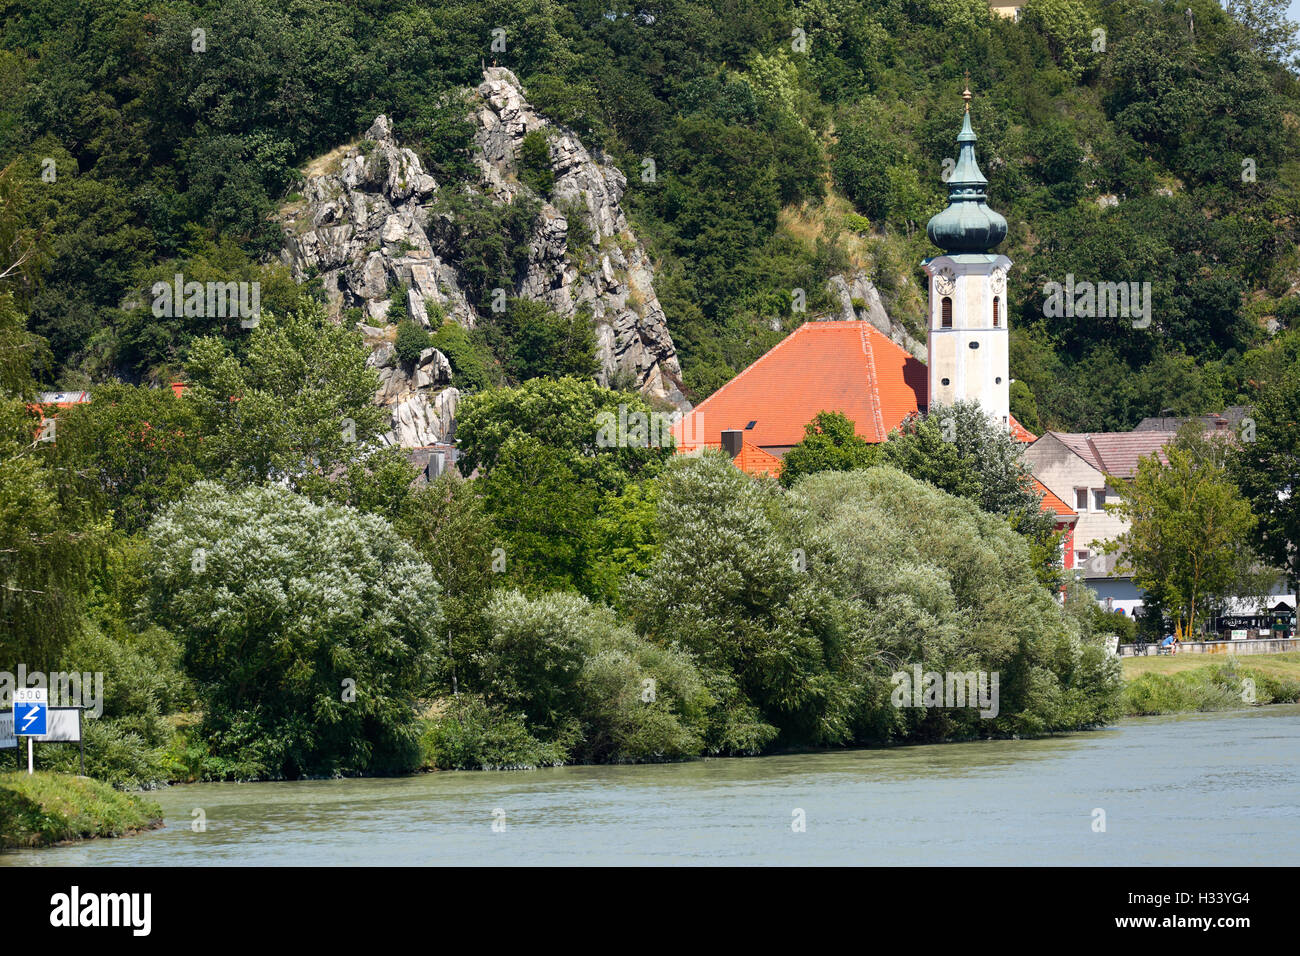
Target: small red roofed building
{"x":47,"y":406}
{"x":1066,"y":518}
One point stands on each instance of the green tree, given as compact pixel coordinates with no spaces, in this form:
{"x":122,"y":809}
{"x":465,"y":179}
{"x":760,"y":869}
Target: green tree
{"x":412,"y":339}
{"x":535,"y":163}
{"x":50,"y":536}
{"x":830,"y":443}
{"x":448,"y":524}
{"x":136,"y":449}
{"x":1266,"y":462}
{"x":532,"y":340}
{"x":298,"y":404}
{"x":581,"y":678}
{"x":310,"y":630}
{"x":1189,"y":535}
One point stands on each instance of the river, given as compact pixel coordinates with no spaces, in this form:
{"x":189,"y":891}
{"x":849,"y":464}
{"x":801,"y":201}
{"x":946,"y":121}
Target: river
{"x":1191,"y":789}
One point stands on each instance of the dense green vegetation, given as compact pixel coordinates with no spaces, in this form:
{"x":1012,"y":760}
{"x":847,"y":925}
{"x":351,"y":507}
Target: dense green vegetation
{"x":270,"y":596}
{"x":48,"y":808}
{"x":958,"y":450}
{"x":787,"y":141}
{"x":1209,"y":685}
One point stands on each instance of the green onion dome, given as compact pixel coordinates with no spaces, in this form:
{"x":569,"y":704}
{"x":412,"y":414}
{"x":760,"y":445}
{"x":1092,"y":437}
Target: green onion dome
{"x":967,"y":224}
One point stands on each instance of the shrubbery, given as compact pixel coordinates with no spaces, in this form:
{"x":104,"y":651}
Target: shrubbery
{"x":308,"y":629}
{"x":1221,"y":687}
{"x":412,"y":339}
{"x":799,"y":609}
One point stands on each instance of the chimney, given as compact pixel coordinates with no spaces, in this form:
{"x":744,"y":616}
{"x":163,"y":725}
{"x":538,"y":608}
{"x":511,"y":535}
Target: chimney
{"x":732,"y":439}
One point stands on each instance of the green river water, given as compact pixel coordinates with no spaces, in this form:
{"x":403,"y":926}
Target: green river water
{"x":1194,"y":789}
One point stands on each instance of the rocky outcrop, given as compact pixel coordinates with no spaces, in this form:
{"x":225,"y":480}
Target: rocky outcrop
{"x":421,"y":401}
{"x":360,"y":228}
{"x":857,"y":297}
{"x":612,"y":276}
{"x":368,"y":228}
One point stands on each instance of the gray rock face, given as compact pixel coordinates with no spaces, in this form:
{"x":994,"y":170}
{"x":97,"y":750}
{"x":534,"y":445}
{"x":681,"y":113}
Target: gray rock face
{"x":422,"y":406}
{"x":611,"y":277}
{"x":871,"y":308}
{"x":366,"y":229}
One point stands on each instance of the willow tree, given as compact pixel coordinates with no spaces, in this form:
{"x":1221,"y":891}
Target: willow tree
{"x":48,"y":537}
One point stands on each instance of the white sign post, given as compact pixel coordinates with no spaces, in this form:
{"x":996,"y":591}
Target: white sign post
{"x":31,"y":717}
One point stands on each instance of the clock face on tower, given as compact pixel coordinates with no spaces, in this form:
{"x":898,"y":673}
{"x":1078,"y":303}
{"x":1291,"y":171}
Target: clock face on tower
{"x":945,"y":283}
{"x":999,"y":279}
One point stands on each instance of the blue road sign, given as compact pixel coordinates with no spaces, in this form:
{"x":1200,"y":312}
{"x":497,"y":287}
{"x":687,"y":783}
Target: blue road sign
{"x":31,"y":718}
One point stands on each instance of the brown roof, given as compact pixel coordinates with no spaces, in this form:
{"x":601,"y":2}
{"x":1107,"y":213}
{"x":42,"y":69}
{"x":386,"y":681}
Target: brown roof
{"x":1116,"y":453}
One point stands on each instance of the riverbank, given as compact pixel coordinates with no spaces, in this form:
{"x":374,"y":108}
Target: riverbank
{"x":1193,"y":789}
{"x":1189,"y":683}
{"x":45,"y":809}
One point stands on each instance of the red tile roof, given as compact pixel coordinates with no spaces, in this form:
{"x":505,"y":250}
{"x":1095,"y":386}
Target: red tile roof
{"x":752,"y":460}
{"x":1019,"y":432}
{"x":1052,"y":503}
{"x":847,"y":367}
{"x":1116,"y":453}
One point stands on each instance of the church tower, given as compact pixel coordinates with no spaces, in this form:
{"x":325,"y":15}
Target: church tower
{"x":968,"y":337}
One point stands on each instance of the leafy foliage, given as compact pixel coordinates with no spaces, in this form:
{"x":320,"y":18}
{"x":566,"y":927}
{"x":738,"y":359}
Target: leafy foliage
{"x":283,"y":606}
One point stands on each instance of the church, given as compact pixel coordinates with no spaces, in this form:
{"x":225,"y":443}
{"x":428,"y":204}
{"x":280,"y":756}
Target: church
{"x":852,"y":368}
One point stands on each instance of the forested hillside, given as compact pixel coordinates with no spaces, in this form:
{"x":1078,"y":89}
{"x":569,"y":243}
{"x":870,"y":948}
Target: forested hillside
{"x":767,"y":146}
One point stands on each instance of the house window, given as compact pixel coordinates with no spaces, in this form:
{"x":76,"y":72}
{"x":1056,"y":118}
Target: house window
{"x":997,"y":312}
{"x":945,"y":312}
{"x":1099,"y":499}
{"x":1080,"y":499}
{"x":1080,"y":558}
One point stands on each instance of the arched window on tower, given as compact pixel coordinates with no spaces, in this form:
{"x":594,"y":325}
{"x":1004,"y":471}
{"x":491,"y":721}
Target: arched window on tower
{"x":997,"y":312}
{"x":945,"y":313}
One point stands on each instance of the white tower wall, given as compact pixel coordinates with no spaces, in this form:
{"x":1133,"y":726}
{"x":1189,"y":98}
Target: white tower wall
{"x":971,"y":360}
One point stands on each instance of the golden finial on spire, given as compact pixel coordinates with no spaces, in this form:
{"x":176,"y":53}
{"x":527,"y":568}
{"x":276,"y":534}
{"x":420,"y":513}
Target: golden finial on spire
{"x":965,"y":94}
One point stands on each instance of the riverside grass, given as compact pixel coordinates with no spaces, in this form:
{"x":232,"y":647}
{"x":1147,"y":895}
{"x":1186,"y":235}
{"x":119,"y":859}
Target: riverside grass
{"x":1206,"y":682}
{"x":47,"y":808}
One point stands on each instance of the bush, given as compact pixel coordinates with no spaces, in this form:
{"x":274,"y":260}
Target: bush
{"x":799,"y":607}
{"x":589,"y":683}
{"x":309,"y":629}
{"x":1216,"y":687}
{"x":469,"y":734}
{"x":412,"y":339}
{"x":471,"y":360}
{"x":535,"y":163}
{"x":131,"y":744}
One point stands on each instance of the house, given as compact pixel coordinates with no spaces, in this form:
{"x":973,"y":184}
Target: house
{"x":848,"y":367}
{"x":1074,"y":467}
{"x":851,"y":367}
{"x":47,"y":406}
